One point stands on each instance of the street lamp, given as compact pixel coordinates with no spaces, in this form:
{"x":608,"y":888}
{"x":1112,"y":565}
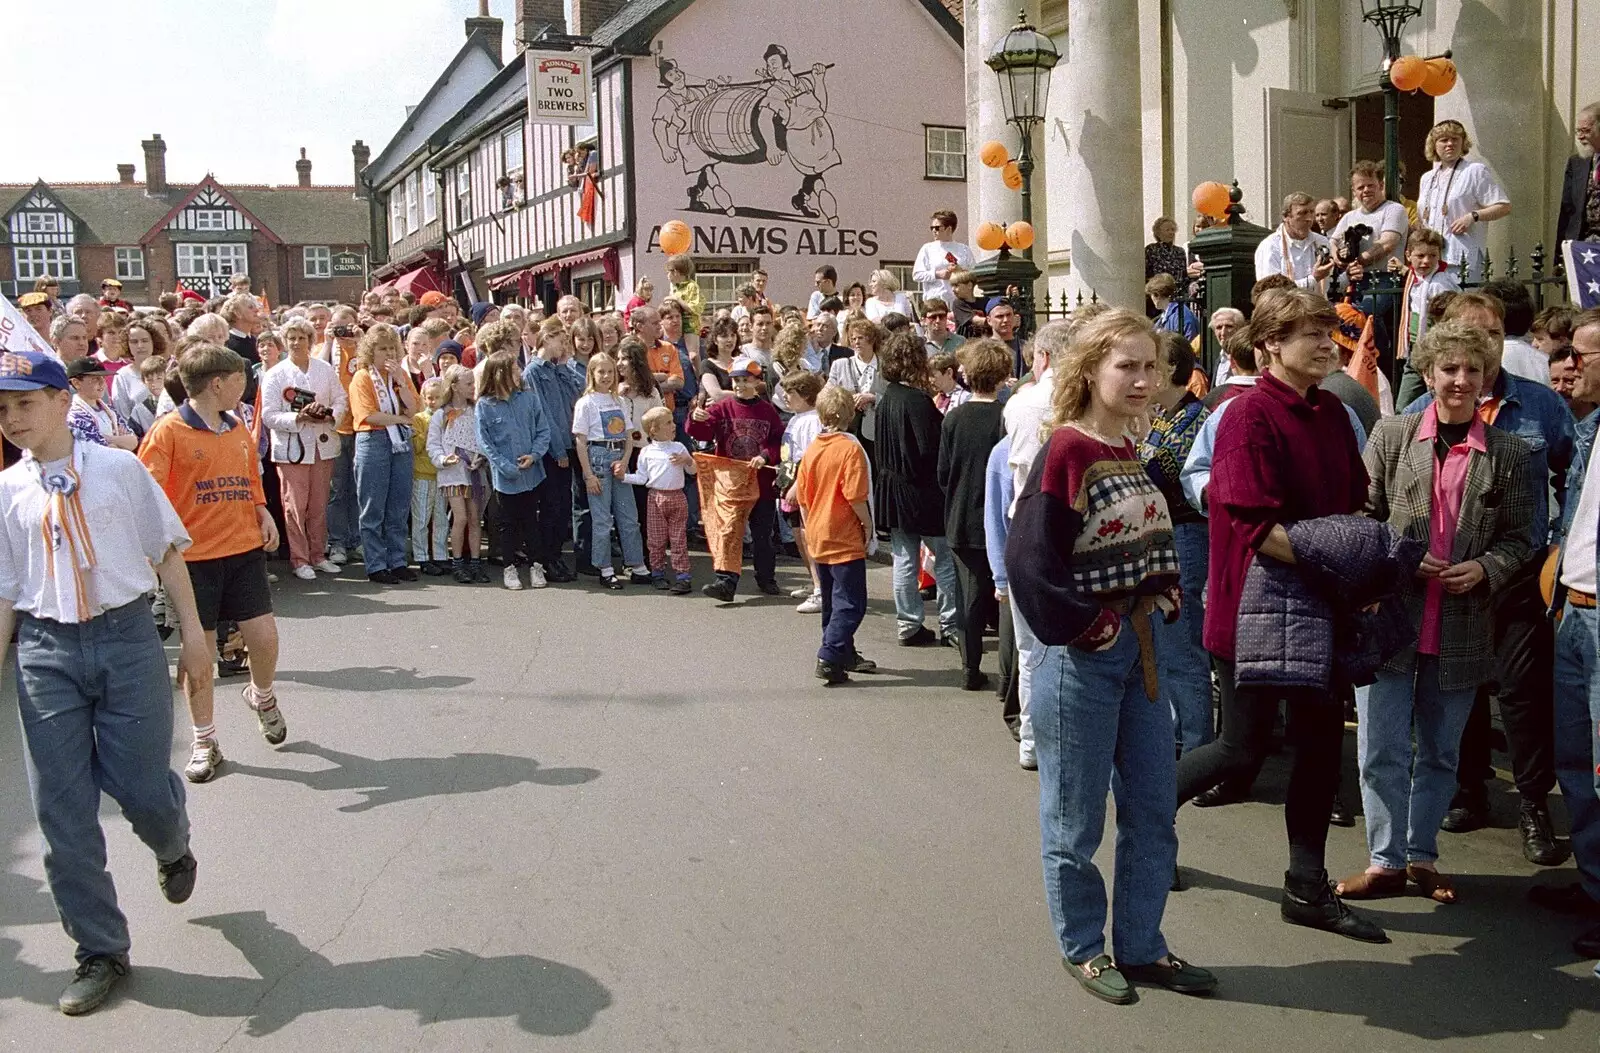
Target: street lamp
{"x":1390,"y":18}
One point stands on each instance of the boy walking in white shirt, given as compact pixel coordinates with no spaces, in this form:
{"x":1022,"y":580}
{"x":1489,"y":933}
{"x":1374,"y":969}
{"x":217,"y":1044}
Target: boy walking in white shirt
{"x":661,"y":467}
{"x":86,"y":535}
{"x":940,"y":258}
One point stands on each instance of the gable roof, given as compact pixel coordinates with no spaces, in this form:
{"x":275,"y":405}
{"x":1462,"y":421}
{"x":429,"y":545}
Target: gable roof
{"x":506,"y":92}
{"x":422,"y":121}
{"x":209,"y":182}
{"x":630,"y":29}
{"x":8,"y":205}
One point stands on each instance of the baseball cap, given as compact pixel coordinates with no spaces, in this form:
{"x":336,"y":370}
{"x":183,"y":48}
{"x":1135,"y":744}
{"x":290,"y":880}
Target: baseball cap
{"x":30,"y":371}
{"x":33,"y":299}
{"x":432,"y":298}
{"x":745,"y":366}
{"x":995,"y":301}
{"x":88,"y":366}
{"x":112,"y":282}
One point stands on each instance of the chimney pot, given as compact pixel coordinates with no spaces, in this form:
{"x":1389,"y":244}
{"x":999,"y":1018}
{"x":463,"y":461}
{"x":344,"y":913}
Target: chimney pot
{"x":155,"y":165}
{"x":124,"y":173}
{"x":535,"y":16}
{"x":302,"y":168}
{"x":362,"y":154}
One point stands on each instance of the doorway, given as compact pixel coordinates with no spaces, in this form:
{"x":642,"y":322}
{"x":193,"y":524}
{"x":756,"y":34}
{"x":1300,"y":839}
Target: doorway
{"x":1416,"y":118}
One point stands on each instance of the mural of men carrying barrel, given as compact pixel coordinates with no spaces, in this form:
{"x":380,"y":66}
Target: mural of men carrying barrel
{"x":779,"y":115}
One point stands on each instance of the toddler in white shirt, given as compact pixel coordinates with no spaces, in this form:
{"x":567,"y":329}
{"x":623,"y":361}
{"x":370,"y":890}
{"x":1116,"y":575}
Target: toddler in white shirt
{"x":660,"y":469}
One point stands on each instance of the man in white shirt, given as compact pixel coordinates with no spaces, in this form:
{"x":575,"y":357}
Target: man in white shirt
{"x":1387,"y":219}
{"x":1026,"y":410}
{"x":940,"y":258}
{"x":1295,"y":250}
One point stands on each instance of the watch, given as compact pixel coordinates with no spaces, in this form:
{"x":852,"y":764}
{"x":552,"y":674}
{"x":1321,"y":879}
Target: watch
{"x":1475,"y":216}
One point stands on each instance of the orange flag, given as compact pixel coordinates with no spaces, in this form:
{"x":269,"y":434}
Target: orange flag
{"x":1364,"y":361}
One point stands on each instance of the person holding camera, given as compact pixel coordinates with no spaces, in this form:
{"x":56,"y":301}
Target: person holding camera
{"x":301,"y":399}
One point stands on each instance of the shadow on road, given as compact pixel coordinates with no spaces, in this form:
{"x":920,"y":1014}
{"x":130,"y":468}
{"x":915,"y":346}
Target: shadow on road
{"x":371,"y":678}
{"x":347,"y":604}
{"x":543,"y":996}
{"x":397,"y":779}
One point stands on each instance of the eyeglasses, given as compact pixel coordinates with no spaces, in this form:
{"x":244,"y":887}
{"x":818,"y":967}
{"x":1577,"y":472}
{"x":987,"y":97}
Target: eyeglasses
{"x":936,"y":229}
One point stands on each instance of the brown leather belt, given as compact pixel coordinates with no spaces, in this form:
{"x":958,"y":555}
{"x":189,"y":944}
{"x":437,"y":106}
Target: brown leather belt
{"x":1139,"y":611}
{"x":1580,"y":599}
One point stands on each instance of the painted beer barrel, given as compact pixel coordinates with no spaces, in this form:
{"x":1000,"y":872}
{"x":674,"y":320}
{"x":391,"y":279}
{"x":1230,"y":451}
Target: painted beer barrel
{"x":724,"y":124}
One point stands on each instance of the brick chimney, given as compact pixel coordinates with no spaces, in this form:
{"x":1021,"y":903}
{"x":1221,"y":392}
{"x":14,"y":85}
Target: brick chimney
{"x":535,"y":16}
{"x":489,"y":26}
{"x":362,"y":154}
{"x":590,"y":15}
{"x":302,"y":168}
{"x":125,"y":173}
{"x":155,"y":166}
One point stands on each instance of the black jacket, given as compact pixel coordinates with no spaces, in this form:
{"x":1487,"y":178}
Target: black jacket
{"x":1569,"y":221}
{"x":245,"y":348}
{"x":970,"y":432}
{"x":906,"y":473}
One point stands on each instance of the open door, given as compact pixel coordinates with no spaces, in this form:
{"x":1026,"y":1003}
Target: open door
{"x":1308,"y":149}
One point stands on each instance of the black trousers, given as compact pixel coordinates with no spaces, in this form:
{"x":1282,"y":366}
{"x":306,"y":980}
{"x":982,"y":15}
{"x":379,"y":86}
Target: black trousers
{"x":1009,"y":684}
{"x":518,"y":522}
{"x":977,"y":597}
{"x":1316,"y":735}
{"x":555,"y":509}
{"x":1524,"y":675}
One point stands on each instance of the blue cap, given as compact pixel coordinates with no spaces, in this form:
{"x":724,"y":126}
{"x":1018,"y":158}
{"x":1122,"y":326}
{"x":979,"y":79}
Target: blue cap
{"x":995,"y":301}
{"x":479,"y":309}
{"x":447,"y":347}
{"x":30,"y":371}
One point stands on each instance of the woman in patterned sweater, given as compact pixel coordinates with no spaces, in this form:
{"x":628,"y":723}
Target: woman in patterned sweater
{"x":1091,"y":562}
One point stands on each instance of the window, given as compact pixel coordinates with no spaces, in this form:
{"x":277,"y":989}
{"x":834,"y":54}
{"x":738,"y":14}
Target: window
{"x":211,"y":260}
{"x":43,"y":263}
{"x":318,"y":261}
{"x":511,"y":150}
{"x":596,"y":293}
{"x":463,"y":193}
{"x":720,"y":280}
{"x":397,"y":215}
{"x":944,"y":152}
{"x":44,"y":223}
{"x":130,"y":264}
{"x":210,"y":219}
{"x":413,"y":202}
{"x":430,"y":196}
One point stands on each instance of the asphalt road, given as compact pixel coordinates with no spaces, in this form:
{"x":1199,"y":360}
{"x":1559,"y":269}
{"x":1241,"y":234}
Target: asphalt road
{"x":577,"y":820}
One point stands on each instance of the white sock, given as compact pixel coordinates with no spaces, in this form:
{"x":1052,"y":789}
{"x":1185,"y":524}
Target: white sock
{"x":209,"y":731}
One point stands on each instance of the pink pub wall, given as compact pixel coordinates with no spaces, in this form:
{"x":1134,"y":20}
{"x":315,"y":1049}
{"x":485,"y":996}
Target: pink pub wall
{"x":787,"y":168}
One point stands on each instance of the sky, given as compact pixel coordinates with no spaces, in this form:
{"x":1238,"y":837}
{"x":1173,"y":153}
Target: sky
{"x":234,"y":87}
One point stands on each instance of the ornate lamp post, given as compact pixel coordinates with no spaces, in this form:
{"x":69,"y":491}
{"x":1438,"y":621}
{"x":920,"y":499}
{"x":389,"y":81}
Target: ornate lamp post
{"x":1022,"y":60}
{"x":1390,"y":18}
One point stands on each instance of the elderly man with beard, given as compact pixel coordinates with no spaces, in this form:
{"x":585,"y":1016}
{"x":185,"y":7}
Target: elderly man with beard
{"x":1579,"y":218}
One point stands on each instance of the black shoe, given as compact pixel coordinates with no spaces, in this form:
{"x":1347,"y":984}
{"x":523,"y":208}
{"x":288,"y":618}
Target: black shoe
{"x":1587,"y":945}
{"x":769,"y":588}
{"x":974,"y":680}
{"x":929,"y":593}
{"x":480,"y":576}
{"x":659,"y":581}
{"x":383,"y":577}
{"x":640,"y":577}
{"x":1565,"y":899}
{"x":236,"y":666}
{"x":588,"y":570}
{"x":432,"y":569}
{"x":1538,"y":839}
{"x":556,"y":573}
{"x":177,"y":878}
{"x":404,"y":574}
{"x":720,"y":590}
{"x":1465,"y":816}
{"x":1218,"y":795}
{"x":612,"y":582}
{"x":950,"y":639}
{"x":858,"y":664}
{"x":1341,"y":814}
{"x":1314,"y":905}
{"x":1177,"y":976}
{"x":92,"y":984}
{"x":921,"y":638}
{"x":463,"y":575}
{"x":680,"y":587}
{"x":831,"y":674}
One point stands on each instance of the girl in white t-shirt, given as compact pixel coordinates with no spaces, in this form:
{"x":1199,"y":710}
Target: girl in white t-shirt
{"x":600,"y":435}
{"x":453,"y":449}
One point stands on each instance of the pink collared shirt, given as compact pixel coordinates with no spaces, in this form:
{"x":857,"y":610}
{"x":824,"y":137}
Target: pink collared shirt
{"x":1449,"y":483}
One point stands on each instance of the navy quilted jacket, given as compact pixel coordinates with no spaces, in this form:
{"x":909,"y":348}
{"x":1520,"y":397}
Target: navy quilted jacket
{"x":1301,"y":623}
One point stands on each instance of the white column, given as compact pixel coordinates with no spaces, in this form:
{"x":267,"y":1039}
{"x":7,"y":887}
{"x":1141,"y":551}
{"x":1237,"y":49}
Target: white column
{"x":988,"y":198}
{"x":1099,"y":103}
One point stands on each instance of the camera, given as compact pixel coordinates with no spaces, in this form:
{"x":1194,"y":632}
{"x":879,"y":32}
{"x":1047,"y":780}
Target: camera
{"x":346,"y":332}
{"x":299,"y":400}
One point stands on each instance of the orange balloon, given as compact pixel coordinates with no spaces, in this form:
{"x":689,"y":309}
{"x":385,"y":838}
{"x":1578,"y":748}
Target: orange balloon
{"x":1020,"y":235}
{"x":993,"y":154}
{"x":1408,"y":72}
{"x":1441,"y":76}
{"x":1011,"y":176}
{"x":989,"y":236}
{"x":1211,"y":199}
{"x":675,"y":237}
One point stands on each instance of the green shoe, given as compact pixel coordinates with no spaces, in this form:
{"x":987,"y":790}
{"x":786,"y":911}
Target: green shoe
{"x":1178,"y":975}
{"x":1100,"y":978}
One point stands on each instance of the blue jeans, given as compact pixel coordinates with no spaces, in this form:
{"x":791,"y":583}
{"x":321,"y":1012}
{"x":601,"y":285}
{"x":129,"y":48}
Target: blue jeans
{"x":1093,"y":726}
{"x":908,"y":605}
{"x":1186,"y":665}
{"x":344,"y":524}
{"x":96,"y":706}
{"x":844,"y":605}
{"x":1406,"y":790}
{"x":383,"y":488}
{"x":613,"y":504}
{"x":1577,"y":731}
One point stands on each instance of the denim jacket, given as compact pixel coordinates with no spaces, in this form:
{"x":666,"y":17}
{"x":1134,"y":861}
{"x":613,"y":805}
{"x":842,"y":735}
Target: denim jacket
{"x":511,"y":428}
{"x":1583,"y":449}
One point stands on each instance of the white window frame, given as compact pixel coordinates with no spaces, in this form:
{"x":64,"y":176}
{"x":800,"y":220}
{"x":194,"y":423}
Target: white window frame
{"x":210,"y":219}
{"x":397,"y":214}
{"x":130,"y":263}
{"x":513,"y":158}
{"x":463,"y":180}
{"x":912,"y":289}
{"x":231,"y":257}
{"x":317,"y":261}
{"x":45,"y":223}
{"x":944,"y":148}
{"x":430,"y":196}
{"x":720,"y":280}
{"x":51,"y":261}
{"x":413,"y":201}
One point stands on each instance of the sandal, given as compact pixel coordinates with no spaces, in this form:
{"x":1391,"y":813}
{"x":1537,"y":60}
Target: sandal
{"x":1431,"y":883}
{"x":1367,"y":885}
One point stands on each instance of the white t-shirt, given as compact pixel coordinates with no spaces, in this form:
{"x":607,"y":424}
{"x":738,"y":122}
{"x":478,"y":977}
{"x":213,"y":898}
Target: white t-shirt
{"x":931,"y":257}
{"x":798,"y":434}
{"x":1389,"y":215}
{"x":1297,"y":263}
{"x":600,"y":418}
{"x":1024,"y":415}
{"x":1445,"y":195}
{"x":875,"y":308}
{"x":1578,"y":556}
{"x":1523,"y":359}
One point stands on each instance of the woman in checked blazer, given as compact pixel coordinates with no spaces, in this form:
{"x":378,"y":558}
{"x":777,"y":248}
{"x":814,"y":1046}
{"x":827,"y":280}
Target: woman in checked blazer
{"x":1445,"y":477}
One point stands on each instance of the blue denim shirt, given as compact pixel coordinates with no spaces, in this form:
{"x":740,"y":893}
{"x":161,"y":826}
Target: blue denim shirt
{"x":1538,"y":416}
{"x":508,"y":429}
{"x":999,"y":491}
{"x":1582,"y":450}
{"x":558,"y":387}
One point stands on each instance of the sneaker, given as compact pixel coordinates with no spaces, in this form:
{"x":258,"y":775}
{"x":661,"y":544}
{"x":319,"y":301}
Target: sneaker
{"x":404,"y":574}
{"x":431,"y":568}
{"x":272,"y":579}
{"x":305,"y":573}
{"x":328,"y":566}
{"x":536,"y":579}
{"x":1027,"y":757}
{"x":336,"y":554}
{"x":922,"y":636}
{"x":831,"y":674}
{"x":769,"y":588}
{"x":273,"y":727}
{"x":801,"y":593}
{"x":177,"y":878}
{"x":92,"y":984}
{"x":681,"y":587}
{"x":509,"y":578}
{"x":858,"y":664}
{"x":660,"y":582}
{"x":204,"y":761}
{"x":811,"y":605}
{"x":479,"y":575}
{"x":720,"y":590}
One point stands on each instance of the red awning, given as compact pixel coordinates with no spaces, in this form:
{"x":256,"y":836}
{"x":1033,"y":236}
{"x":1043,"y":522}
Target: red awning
{"x":417,"y":282}
{"x":524,"y":279}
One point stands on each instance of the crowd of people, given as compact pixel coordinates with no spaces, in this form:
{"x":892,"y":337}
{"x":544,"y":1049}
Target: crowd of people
{"x":1151,"y":543}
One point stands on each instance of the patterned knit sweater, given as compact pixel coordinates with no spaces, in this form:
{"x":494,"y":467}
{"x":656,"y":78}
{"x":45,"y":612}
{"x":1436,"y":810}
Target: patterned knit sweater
{"x":1090,"y":527}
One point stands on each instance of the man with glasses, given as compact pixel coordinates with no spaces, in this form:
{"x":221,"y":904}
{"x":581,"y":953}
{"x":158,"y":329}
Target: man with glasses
{"x":940,"y":258}
{"x":936,"y":330}
{"x":1579,"y":218}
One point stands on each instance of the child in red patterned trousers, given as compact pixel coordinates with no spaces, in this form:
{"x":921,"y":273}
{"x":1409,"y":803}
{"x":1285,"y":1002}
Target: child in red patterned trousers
{"x":661,"y":469}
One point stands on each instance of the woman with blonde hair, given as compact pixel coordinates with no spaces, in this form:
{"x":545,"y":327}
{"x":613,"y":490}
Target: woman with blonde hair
{"x":145,"y":337}
{"x":1457,"y":196}
{"x":886,"y":297}
{"x":1091,"y":562}
{"x":382,"y":406}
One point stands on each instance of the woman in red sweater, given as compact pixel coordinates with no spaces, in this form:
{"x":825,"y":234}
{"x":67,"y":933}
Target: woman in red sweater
{"x":1091,"y":560}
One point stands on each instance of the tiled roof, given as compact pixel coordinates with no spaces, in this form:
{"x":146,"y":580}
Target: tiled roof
{"x":639,"y":20}
{"x":302,"y":216}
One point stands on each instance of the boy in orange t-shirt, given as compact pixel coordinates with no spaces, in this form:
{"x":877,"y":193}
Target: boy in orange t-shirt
{"x":832,"y":488}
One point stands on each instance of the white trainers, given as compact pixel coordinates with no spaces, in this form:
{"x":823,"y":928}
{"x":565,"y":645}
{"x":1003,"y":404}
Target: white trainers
{"x":800,"y":593}
{"x":328,"y":566}
{"x":812,"y":604}
{"x":336,"y":555}
{"x":305,"y":573}
{"x":510,"y":579}
{"x":203,"y":761}
{"x":273,"y":727}
{"x":536,"y":578}
{"x":1027,"y":757}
